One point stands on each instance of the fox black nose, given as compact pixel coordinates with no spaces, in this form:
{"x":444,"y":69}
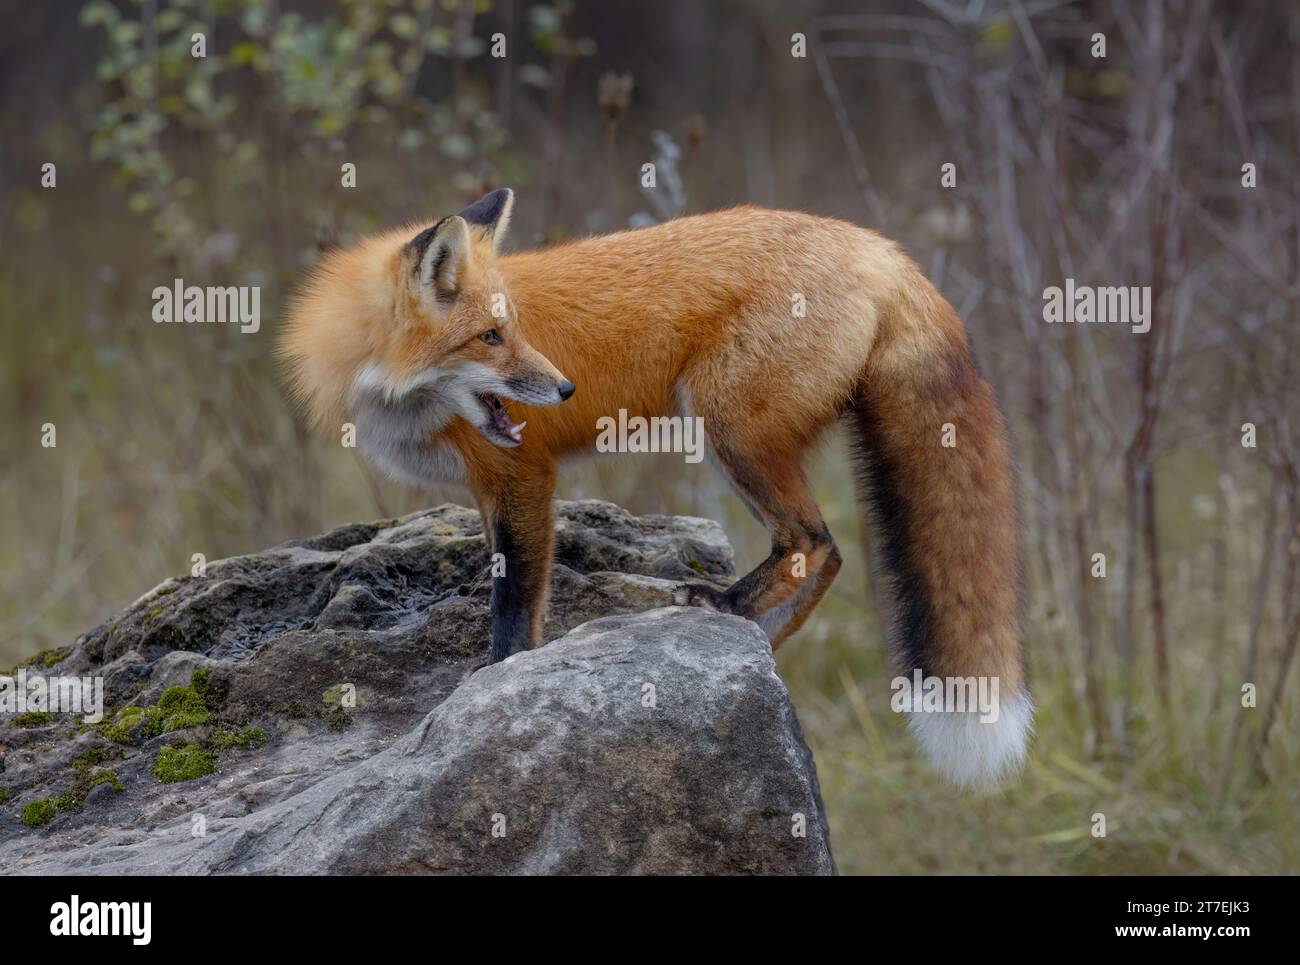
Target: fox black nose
{"x":565,"y":389}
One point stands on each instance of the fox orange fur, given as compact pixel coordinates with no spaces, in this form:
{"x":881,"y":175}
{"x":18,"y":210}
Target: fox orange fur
{"x":439,"y":348}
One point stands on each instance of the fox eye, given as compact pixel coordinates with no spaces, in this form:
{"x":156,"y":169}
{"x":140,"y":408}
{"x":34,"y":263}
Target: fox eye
{"x":491,"y":337}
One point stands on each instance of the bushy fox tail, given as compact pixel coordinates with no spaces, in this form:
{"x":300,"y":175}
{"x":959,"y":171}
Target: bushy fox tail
{"x":935,"y":469}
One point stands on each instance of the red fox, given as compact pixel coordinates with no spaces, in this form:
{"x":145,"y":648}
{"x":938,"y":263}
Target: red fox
{"x":452,"y":361}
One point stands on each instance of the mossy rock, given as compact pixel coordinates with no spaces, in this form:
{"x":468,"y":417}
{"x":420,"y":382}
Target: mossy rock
{"x":273,"y":636}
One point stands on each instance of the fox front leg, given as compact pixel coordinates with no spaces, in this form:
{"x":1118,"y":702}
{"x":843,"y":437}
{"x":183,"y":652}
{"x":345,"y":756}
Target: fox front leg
{"x":523,"y":533}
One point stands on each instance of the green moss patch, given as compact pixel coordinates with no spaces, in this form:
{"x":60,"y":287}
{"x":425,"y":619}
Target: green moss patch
{"x":179,"y":708}
{"x":33,"y":718}
{"x":46,"y":658}
{"x":333,"y":696}
{"x":186,"y":763}
{"x":338,"y":720}
{"x":120,"y":730}
{"x":93,"y":757}
{"x":249,"y":739}
{"x":182,"y":707}
{"x":39,"y":813}
{"x":107,"y":777}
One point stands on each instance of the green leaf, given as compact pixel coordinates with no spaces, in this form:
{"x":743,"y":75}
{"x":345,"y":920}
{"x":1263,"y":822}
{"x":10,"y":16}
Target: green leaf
{"x":244,"y":52}
{"x":438,"y":40}
{"x":404,"y":25}
{"x":170,"y":20}
{"x":125,"y":33}
{"x":998,"y":34}
{"x":327,"y":125}
{"x":99,"y":12}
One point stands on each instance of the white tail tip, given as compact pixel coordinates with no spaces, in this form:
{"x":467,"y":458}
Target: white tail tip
{"x":974,"y":753}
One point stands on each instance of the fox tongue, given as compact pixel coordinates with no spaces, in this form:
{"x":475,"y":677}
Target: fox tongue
{"x":501,"y":419}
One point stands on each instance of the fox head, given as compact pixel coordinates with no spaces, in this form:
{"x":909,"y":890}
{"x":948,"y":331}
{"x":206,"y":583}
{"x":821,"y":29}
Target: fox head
{"x":419,"y":327}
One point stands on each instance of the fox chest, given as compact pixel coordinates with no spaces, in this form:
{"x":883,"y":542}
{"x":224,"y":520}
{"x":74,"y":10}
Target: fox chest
{"x":400,"y":438}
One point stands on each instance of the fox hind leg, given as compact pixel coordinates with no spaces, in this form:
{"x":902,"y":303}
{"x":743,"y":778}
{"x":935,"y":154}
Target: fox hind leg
{"x":782,"y":620}
{"x":782,"y":590}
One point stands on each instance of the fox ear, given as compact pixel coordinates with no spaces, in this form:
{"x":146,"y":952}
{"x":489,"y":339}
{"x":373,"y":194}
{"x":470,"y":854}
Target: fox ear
{"x":435,"y":259}
{"x":492,"y":211}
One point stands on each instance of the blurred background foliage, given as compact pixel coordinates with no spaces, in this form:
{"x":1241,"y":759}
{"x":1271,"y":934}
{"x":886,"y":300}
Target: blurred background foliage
{"x":226,"y":169}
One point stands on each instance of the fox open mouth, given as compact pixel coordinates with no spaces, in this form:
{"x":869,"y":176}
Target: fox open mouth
{"x":505,"y":429}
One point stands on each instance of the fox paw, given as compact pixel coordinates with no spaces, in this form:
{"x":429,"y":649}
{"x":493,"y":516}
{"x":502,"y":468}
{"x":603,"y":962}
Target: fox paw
{"x":698,"y":594}
{"x":494,"y":656}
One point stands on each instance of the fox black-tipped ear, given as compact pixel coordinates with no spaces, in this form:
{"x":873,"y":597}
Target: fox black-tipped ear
{"x":492,"y":211}
{"x":436,"y":259}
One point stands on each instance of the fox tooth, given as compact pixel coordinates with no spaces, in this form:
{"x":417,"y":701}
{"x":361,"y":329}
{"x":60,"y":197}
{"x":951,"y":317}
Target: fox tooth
{"x":520,"y":428}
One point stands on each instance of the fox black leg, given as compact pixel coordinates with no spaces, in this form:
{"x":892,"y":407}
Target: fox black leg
{"x":523,"y":533}
{"x":511,"y":605}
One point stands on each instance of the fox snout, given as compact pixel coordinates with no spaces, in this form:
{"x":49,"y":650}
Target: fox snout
{"x":543,"y":392}
{"x":550,"y":392}
{"x":542,"y":377}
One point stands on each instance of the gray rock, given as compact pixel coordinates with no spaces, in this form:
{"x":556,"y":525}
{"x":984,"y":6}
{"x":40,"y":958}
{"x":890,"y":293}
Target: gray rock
{"x":654,"y":741}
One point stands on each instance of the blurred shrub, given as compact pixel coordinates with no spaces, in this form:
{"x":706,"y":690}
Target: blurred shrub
{"x":195,"y":109}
